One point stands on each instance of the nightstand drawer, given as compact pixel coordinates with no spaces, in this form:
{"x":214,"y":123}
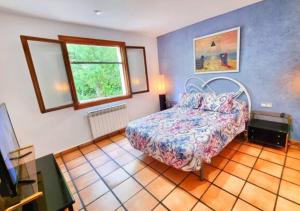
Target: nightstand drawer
{"x":268,"y":137}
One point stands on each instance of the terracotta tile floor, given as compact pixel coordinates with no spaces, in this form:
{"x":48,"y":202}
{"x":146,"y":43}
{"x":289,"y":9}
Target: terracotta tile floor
{"x":111,"y":175}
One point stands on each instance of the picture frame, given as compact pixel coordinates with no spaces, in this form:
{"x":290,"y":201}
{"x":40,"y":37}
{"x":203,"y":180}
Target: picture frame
{"x":218,"y":52}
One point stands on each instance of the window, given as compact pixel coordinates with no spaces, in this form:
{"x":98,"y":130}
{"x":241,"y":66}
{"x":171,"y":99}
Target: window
{"x":98,"y":70}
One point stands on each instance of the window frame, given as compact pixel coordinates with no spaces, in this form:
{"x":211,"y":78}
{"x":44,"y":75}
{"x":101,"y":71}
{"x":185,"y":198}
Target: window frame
{"x":90,"y":41}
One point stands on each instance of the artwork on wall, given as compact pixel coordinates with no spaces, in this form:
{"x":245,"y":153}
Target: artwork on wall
{"x":218,"y":52}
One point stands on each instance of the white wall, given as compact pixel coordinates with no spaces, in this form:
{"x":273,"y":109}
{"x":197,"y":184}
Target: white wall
{"x":59,"y":130}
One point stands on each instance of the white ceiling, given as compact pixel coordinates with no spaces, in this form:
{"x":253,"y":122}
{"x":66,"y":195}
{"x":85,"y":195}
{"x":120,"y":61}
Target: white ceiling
{"x":152,"y":17}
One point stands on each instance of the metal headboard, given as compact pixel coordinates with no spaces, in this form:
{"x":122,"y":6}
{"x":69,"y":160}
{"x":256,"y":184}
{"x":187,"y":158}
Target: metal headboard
{"x":197,"y":85}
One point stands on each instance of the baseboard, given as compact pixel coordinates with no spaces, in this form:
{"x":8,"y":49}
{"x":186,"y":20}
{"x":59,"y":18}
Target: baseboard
{"x":59,"y":154}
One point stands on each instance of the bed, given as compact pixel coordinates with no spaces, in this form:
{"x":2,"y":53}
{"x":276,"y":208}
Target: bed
{"x":185,"y":137}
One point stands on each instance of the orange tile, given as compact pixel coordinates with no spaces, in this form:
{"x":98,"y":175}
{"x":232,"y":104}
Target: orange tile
{"x":294,"y":153}
{"x":116,"y":177}
{"x":71,"y":155}
{"x":268,"y":167}
{"x":120,"y":209}
{"x":80,"y":170}
{"x":284,"y":205}
{"x":92,"y":192}
{"x":210,"y":173}
{"x":124,"y":159}
{"x":134,"y":203}
{"x":103,"y":143}
{"x":160,"y":208}
{"x":201,"y":207}
{"x":218,"y":199}
{"x":94,"y":154}
{"x":272,"y":157}
{"x":243,"y":206}
{"x":245,"y":159}
{"x":264,"y":180}
{"x":117,"y":137}
{"x":249,"y":150}
{"x":86,"y":180}
{"x":227,"y":153}
{"x":116,"y":153}
{"x":134,"y":166}
{"x":186,"y":201}
{"x":146,"y":159}
{"x":127,"y":189}
{"x":59,"y":161}
{"x":160,"y":187}
{"x":229,"y":183}
{"x":219,"y":162}
{"x":159,"y":166}
{"x":71,"y":187}
{"x":78,"y":204}
{"x":88,"y":148}
{"x":67,"y":176}
{"x":146,"y":175}
{"x":99,"y":161}
{"x":290,"y":191}
{"x":237,"y":169}
{"x":76,"y":162}
{"x":106,"y":202}
{"x":258,"y":197}
{"x":234,"y":145}
{"x":276,"y":150}
{"x":291,"y":175}
{"x":253,"y":145}
{"x":62,"y":168}
{"x":194,"y":185}
{"x":175,"y":175}
{"x":107,"y":168}
{"x":292,"y":163}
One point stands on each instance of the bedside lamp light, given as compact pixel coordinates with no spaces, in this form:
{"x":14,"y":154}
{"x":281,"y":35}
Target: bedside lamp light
{"x":162,"y":92}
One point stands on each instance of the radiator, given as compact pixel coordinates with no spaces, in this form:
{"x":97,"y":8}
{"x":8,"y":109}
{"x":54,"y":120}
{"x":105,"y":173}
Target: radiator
{"x":107,"y":120}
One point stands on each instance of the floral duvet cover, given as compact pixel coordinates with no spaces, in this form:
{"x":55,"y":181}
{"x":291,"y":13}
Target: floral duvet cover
{"x":184,"y":137}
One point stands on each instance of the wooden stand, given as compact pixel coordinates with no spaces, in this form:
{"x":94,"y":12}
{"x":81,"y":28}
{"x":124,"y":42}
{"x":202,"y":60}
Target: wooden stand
{"x":27,"y":191}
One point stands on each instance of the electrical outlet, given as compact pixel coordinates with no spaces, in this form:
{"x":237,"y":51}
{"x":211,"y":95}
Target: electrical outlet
{"x":266,"y":105}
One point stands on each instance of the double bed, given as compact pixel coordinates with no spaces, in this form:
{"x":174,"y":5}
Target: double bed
{"x":185,"y":137}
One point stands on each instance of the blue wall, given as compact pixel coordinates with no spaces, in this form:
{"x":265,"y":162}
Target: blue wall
{"x":269,"y":56}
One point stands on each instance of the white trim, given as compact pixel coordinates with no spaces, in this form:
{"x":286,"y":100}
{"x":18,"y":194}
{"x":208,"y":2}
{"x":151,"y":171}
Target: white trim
{"x":237,"y":56}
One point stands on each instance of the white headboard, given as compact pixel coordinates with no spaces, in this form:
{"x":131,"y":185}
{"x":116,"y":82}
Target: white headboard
{"x":194,"y":84}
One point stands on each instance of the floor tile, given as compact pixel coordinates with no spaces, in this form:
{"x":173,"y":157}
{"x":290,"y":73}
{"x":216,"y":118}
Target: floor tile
{"x":71,"y":155}
{"x":146,"y":159}
{"x":294,"y":153}
{"x":116,"y":153}
{"x":292,"y":163}
{"x":160,"y":208}
{"x":117,"y":137}
{"x":88,"y":148}
{"x":253,"y":145}
{"x":219,"y":162}
{"x":99,"y":161}
{"x":194,"y":185}
{"x":229,"y":183}
{"x":218,"y":199}
{"x":249,"y":150}
{"x":146,"y":175}
{"x":110,"y":147}
{"x":134,"y":166}
{"x":86,"y":180}
{"x":107,"y":202}
{"x":59,"y":161}
{"x":103,"y":143}
{"x":258,"y":197}
{"x":94,"y":154}
{"x":286,"y":205}
{"x":160,"y":187}
{"x":135,"y":152}
{"x":272,"y":157}
{"x":268,"y":167}
{"x":62,"y":168}
{"x":291,"y":175}
{"x":201,"y":207}
{"x":77,"y":205}
{"x":80,"y":170}
{"x":116,"y":177}
{"x":290,"y":191}
{"x":186,"y":201}
{"x":264,"y":180}
{"x":276,"y":150}
{"x":71,"y":187}
{"x":234,"y":145}
{"x":107,"y":168}
{"x":75,"y":162}
{"x":127,"y":189}
{"x":134,"y":203}
{"x":245,"y":159}
{"x":124,"y":159}
{"x":175,"y":175}
{"x":93,"y":191}
{"x":67,"y":176}
{"x":237,"y":169}
{"x":240,"y":205}
{"x":159,"y":166}
{"x":227,"y":153}
{"x":210,"y":173}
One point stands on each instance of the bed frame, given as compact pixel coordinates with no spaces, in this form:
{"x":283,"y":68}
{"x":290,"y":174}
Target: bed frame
{"x":194,"y":84}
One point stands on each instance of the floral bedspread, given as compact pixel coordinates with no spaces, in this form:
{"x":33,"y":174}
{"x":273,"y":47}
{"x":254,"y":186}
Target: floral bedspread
{"x":183,"y":137}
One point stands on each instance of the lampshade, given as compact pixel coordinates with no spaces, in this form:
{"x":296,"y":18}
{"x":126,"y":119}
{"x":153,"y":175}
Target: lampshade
{"x":161,"y":84}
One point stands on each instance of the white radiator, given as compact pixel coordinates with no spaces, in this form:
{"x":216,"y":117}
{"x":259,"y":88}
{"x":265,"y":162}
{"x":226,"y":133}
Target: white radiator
{"x":107,"y":120}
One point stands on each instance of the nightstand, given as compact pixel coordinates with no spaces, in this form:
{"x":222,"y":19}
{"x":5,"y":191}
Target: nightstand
{"x":270,"y":129}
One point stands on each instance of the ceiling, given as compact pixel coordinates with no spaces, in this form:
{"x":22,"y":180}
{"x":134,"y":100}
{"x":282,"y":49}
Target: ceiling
{"x":151,"y":17}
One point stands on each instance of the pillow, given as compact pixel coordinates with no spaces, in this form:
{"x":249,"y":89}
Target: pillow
{"x":219,"y":103}
{"x":190,"y":100}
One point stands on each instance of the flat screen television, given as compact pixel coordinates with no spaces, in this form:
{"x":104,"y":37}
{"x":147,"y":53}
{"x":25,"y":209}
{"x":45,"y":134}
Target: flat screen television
{"x":9,"y":155}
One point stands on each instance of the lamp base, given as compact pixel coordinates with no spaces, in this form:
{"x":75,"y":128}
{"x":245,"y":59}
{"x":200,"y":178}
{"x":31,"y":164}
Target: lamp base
{"x":162,"y":102}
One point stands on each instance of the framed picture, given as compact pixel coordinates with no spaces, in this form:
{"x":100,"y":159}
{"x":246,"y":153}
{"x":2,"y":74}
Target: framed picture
{"x":218,"y":52}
